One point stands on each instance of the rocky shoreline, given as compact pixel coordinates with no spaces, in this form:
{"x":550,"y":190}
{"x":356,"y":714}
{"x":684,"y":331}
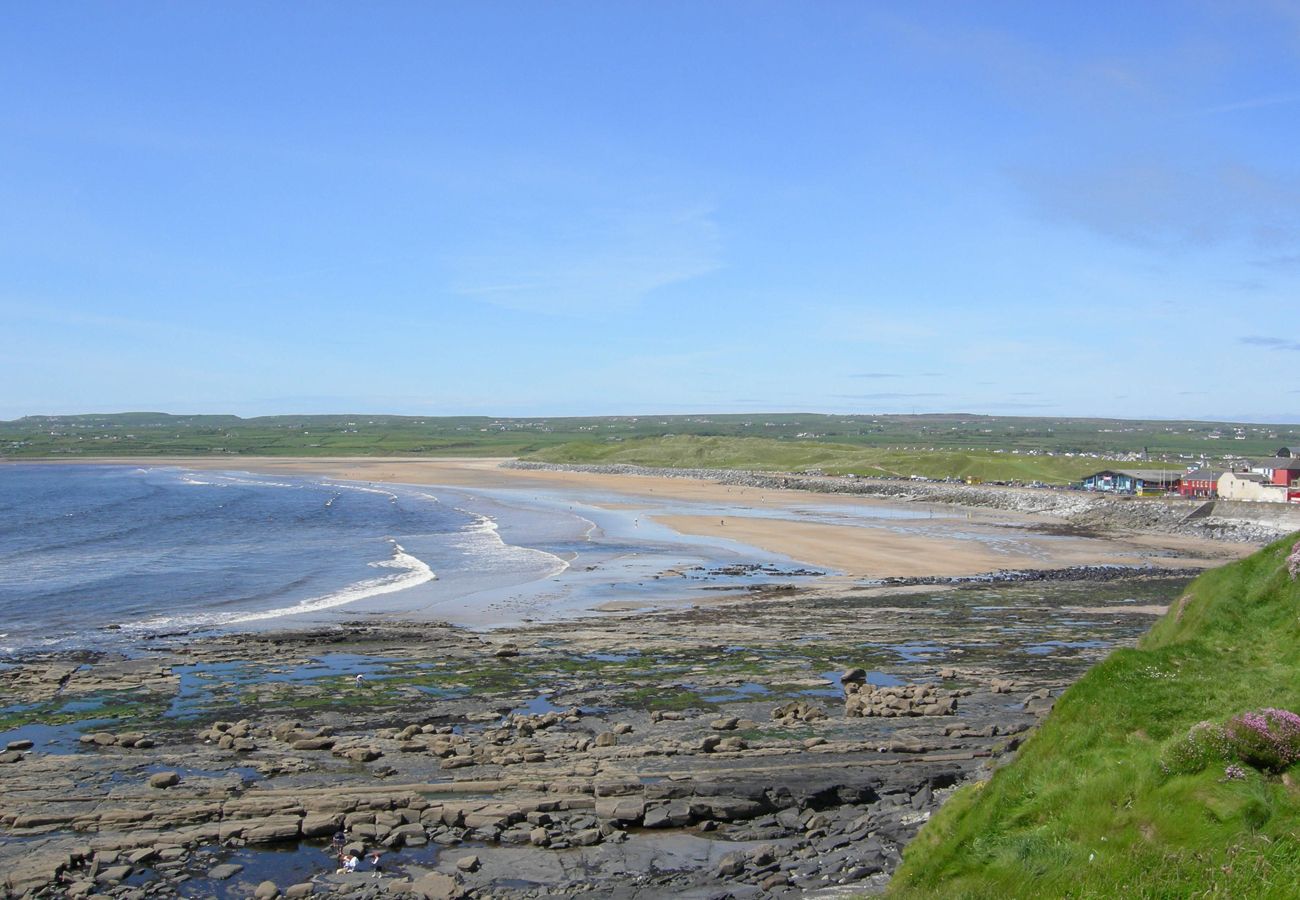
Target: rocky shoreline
{"x":786,"y":744}
{"x":1082,"y":511}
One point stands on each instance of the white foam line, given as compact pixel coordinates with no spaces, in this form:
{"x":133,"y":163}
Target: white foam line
{"x":346,"y":486}
{"x":487,"y":525}
{"x":413,"y":571}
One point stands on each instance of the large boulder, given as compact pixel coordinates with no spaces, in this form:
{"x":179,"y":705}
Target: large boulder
{"x":436,"y":886}
{"x":620,"y":809}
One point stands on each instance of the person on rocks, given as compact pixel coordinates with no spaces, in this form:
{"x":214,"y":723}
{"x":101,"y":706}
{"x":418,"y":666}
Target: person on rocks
{"x":375,"y":863}
{"x":339,"y":842}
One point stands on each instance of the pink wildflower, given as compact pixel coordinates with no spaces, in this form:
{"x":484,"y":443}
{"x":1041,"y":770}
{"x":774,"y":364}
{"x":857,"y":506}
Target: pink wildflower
{"x":1268,"y":739}
{"x":1293,"y":561}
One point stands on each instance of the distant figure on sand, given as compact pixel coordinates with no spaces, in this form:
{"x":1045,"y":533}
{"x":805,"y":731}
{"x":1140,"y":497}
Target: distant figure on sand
{"x":360,"y":679}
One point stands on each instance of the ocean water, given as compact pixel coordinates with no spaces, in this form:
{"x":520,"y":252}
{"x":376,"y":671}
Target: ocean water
{"x":94,"y":555}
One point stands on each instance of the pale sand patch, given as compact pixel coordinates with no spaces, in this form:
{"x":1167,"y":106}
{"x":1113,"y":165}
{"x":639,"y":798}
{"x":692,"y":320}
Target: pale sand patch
{"x":856,"y":550}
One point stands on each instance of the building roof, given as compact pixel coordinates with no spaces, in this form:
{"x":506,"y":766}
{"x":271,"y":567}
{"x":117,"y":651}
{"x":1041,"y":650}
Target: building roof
{"x":1169,"y":475}
{"x":1276,"y":462}
{"x":1248,"y":476}
{"x":1152,"y":474}
{"x":1204,"y":475}
{"x":1288,"y":451}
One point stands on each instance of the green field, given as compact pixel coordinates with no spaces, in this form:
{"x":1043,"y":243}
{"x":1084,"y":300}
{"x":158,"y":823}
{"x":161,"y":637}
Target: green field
{"x":1086,"y":809}
{"x":937,"y":446}
{"x":828,"y":458}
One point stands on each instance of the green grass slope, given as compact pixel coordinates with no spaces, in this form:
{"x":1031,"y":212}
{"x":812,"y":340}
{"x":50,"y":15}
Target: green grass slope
{"x":1085,"y":810}
{"x":763,"y":454}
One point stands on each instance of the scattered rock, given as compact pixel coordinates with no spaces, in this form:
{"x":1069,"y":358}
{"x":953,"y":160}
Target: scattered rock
{"x":798,"y":711}
{"x":164,"y":779}
{"x":904,"y":700}
{"x":854,"y":676}
{"x":224,"y":871}
{"x":436,"y":886}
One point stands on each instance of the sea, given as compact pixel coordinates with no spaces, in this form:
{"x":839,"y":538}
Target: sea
{"x":102,"y":556}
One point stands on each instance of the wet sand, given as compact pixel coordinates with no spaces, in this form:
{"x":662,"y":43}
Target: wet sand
{"x":958,"y":541}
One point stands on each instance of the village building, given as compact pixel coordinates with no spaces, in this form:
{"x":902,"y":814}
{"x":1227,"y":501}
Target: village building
{"x":1251,"y":486}
{"x":1133,"y":481}
{"x":1281,"y":470}
{"x":1203,"y":483}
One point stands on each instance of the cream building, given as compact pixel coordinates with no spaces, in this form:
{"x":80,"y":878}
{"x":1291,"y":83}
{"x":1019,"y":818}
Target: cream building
{"x":1250,"y":486}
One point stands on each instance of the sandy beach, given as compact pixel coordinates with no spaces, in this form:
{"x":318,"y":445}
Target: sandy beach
{"x":955,"y":542}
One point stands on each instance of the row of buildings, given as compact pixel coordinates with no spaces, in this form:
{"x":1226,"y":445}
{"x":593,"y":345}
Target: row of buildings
{"x":1272,"y":480}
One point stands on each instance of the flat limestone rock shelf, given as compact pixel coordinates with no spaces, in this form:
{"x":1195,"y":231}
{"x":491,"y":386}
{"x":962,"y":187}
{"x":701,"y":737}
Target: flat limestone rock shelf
{"x":788,"y":744}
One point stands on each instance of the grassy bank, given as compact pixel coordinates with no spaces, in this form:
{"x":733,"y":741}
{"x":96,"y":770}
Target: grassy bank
{"x":688,"y":451}
{"x":1087,"y":810}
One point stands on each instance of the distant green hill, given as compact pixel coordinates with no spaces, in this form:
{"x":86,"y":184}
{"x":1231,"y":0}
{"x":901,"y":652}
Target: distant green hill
{"x":956,"y":444}
{"x":1087,"y":810}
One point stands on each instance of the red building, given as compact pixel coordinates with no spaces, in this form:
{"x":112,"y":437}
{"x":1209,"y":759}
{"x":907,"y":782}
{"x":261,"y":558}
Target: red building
{"x":1201,"y":483}
{"x":1288,"y":473}
{"x":1283,"y":470}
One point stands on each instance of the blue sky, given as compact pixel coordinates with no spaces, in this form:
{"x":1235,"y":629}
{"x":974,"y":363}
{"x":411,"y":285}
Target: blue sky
{"x":585,"y":208}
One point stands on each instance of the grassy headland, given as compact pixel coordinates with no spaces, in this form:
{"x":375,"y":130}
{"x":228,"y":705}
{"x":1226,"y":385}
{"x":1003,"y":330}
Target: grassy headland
{"x":1087,"y":810}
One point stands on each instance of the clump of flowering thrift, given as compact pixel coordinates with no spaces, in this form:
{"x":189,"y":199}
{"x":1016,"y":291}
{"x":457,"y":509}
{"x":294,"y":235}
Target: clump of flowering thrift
{"x":1268,"y":739}
{"x":1233,"y":773}
{"x":1204,"y":743}
{"x":1293,"y":561}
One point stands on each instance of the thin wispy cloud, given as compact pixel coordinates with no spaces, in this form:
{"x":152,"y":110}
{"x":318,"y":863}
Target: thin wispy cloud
{"x":1270,"y":343}
{"x":887,"y":396}
{"x":1251,"y":103}
{"x":1013,"y":404}
{"x":1284,"y":261}
{"x":1163,"y":205}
